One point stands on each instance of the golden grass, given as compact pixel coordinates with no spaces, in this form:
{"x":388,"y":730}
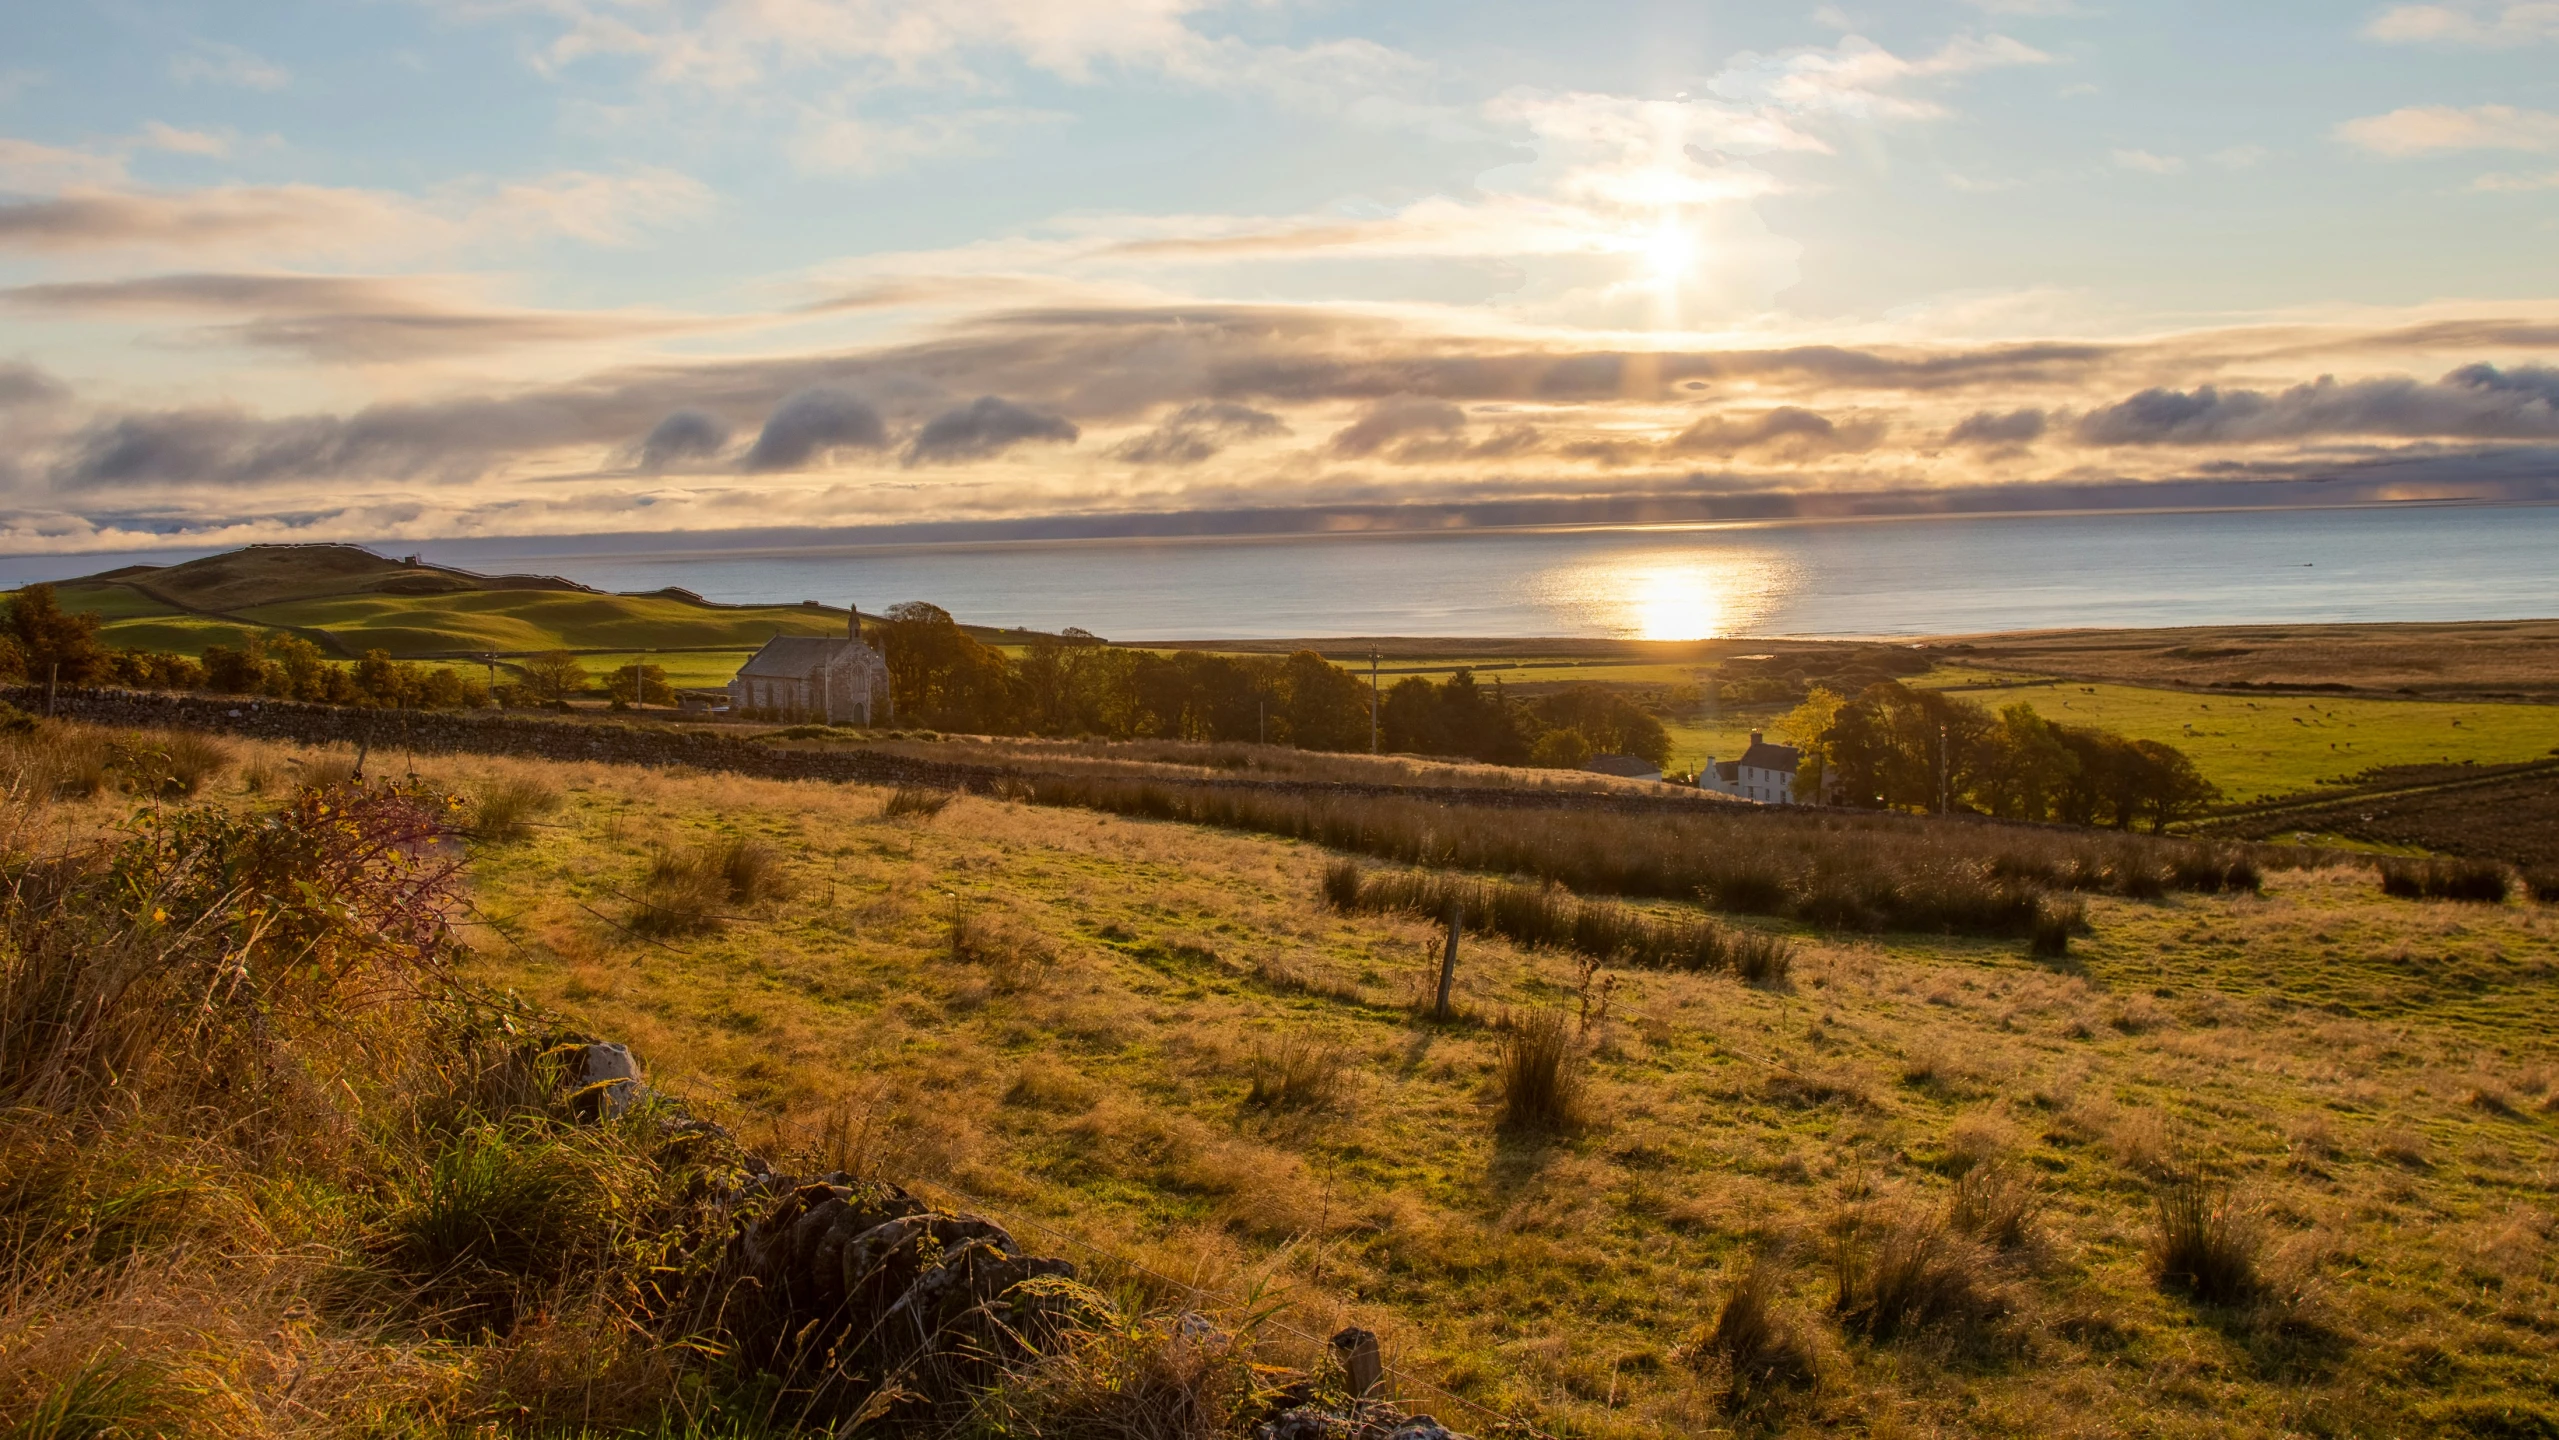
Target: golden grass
{"x":2320,"y":1042}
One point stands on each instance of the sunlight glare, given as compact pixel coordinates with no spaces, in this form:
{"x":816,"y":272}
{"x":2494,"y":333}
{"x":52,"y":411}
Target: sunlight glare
{"x":1669,"y":251}
{"x":1666,"y":594}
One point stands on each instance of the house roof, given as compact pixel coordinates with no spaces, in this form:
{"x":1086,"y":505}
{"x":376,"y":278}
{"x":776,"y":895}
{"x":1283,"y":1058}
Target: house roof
{"x":792,"y":657}
{"x":1632,"y":766}
{"x":1728,"y":771}
{"x":1764,"y":756}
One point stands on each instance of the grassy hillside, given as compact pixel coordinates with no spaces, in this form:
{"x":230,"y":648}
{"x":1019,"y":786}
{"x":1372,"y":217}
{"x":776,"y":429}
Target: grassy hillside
{"x":1070,"y":1016}
{"x":353,"y":601}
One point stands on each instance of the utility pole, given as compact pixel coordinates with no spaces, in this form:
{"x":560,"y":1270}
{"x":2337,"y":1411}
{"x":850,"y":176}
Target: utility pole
{"x":1943,"y":799}
{"x":1372,"y":701}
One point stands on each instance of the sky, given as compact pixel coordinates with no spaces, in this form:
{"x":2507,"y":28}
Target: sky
{"x":439,"y":269}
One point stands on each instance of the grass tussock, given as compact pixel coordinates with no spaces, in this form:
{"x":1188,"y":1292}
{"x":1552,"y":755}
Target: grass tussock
{"x":506,"y":809}
{"x":1995,"y":1202}
{"x":1538,"y":1072}
{"x":1297,"y":1073}
{"x":2207,"y":1244}
{"x":916,"y":800}
{"x":1545,"y":916}
{"x":688,"y":891}
{"x":2485,"y":882}
{"x":2056,"y":920}
{"x":1898,"y":1273}
{"x":1760,"y":1349}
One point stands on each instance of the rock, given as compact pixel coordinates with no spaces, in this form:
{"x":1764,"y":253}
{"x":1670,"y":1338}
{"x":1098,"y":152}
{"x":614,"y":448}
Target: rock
{"x":606,"y":1076}
{"x":862,"y":1283}
{"x":1358,"y":1420}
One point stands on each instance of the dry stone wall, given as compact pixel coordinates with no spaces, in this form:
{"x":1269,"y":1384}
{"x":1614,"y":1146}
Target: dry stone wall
{"x":707,"y":747}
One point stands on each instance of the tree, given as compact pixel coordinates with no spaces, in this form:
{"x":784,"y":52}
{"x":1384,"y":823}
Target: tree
{"x":54,"y":643}
{"x":1322,"y":706}
{"x":1607,"y":722}
{"x":2172,"y":789}
{"x":1559,"y":750}
{"x":2030,"y":767}
{"x":554,"y":674}
{"x":941,"y":676}
{"x":1804,"y":727}
{"x":639,"y":685}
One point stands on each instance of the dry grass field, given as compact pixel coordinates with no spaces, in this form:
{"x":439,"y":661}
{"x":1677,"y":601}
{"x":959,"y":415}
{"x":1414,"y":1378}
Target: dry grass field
{"x":1156,"y":1039}
{"x":2257,"y":1164}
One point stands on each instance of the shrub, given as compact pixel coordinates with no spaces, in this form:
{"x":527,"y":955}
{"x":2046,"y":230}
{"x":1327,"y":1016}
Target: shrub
{"x":914,"y":800}
{"x":2484,"y":882}
{"x":2207,"y":1244}
{"x":1762,"y":1354}
{"x":172,"y":765}
{"x":2542,"y":881}
{"x":1540,"y":1073}
{"x":1905,"y":1273}
{"x":2056,"y":920}
{"x":1296,"y":1074}
{"x":506,"y":808}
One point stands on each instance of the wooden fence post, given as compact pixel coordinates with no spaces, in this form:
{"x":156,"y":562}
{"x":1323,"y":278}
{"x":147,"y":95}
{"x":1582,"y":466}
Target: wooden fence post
{"x":1360,"y":1362}
{"x":1448,"y":961}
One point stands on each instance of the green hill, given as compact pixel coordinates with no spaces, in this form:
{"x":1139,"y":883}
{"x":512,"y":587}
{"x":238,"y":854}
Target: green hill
{"x":349,"y":600}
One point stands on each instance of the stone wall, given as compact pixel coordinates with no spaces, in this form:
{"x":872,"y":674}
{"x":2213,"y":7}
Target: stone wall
{"x":548,"y":736}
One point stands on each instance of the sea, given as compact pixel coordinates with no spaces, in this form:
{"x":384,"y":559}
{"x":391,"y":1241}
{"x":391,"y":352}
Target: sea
{"x":1881,"y":578}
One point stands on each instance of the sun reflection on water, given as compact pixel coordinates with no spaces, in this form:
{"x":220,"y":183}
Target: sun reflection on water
{"x":1665,"y":594}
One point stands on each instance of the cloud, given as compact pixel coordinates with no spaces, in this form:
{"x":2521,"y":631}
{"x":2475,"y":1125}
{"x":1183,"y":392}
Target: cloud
{"x":216,"y":63}
{"x":308,"y":219}
{"x":2511,"y":182}
{"x":988,"y":425}
{"x":1197,"y":432}
{"x":2475,"y":402}
{"x":681,"y":436}
{"x":23,"y":386}
{"x":1789,"y":432}
{"x":1393,"y":419}
{"x":1990,"y":428}
{"x":841,"y":143}
{"x":1860,"y":80}
{"x":2512,"y":22}
{"x":302,"y":216}
{"x":2432,"y":129}
{"x":2144,"y":161}
{"x":184,"y":142}
{"x":812,"y":423}
{"x":338,"y":317}
{"x":26,"y":166}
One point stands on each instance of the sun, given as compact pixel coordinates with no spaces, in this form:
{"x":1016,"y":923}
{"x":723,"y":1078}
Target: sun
{"x":1669,"y":251}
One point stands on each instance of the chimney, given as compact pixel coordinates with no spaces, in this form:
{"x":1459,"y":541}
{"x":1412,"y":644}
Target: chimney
{"x":1754,"y":737}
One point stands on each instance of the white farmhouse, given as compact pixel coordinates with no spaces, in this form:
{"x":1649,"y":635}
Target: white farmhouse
{"x":1765,"y":773}
{"x":833,"y":679}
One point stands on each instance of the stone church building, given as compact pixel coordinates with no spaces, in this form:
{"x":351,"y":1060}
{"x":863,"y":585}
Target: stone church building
{"x":837,"y":680}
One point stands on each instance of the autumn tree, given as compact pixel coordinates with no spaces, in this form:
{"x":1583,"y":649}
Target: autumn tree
{"x":554,"y":674}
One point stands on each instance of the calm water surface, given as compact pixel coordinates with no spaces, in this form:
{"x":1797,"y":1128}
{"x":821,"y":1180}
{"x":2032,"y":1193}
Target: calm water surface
{"x":1890,"y":578}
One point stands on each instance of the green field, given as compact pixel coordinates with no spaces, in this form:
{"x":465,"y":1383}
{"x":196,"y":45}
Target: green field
{"x":2255,"y":746}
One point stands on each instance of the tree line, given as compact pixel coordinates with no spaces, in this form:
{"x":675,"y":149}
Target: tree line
{"x":1893,"y":747}
{"x":1073,"y":683}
